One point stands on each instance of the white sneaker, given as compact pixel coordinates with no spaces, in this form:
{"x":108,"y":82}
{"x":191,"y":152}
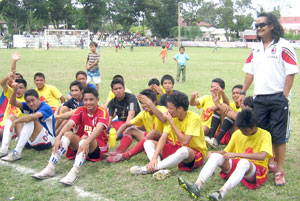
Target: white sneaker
{"x":12,"y":156}
{"x":135,"y":170}
{"x":207,"y":139}
{"x":161,"y":174}
{"x":3,"y":153}
{"x":71,"y":177}
{"x":213,"y":143}
{"x":46,"y":173}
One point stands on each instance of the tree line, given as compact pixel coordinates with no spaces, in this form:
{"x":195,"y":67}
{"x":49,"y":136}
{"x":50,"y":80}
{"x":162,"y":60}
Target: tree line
{"x":160,"y":16}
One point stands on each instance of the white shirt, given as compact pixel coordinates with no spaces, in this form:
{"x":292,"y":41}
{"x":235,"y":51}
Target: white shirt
{"x":271,"y":66}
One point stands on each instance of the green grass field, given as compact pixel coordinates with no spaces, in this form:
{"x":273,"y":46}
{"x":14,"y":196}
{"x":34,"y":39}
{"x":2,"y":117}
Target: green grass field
{"x":103,"y":181}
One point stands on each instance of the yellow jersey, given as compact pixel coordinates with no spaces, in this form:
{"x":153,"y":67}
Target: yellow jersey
{"x":233,"y":107}
{"x":10,"y":109}
{"x":261,"y":141}
{"x":111,"y":94}
{"x":50,"y":94}
{"x":191,"y":125}
{"x":149,"y":121}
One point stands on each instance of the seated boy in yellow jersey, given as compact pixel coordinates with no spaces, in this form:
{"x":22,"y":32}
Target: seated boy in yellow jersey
{"x":111,"y":94}
{"x":227,"y":123}
{"x":244,"y":159}
{"x":206,"y":102}
{"x":154,"y":85}
{"x":182,"y":142}
{"x":11,"y":112}
{"x":48,"y":93}
{"x":143,"y":127}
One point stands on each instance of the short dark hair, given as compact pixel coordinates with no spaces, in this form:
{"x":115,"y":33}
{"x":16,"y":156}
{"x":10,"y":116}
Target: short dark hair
{"x":238,"y":86}
{"x":80,"y":73}
{"x":20,"y":75}
{"x":248,"y":101}
{"x":220,"y":81}
{"x":150,"y":94}
{"x":93,"y":43}
{"x":76,"y":83}
{"x":153,"y":81}
{"x":21,"y":81}
{"x":39,"y":74}
{"x":31,"y":92}
{"x":116,"y":81}
{"x":118,"y":77}
{"x":179,"y":99}
{"x":167,"y":77}
{"x":246,"y":119}
{"x":278,"y":31}
{"x":181,"y":47}
{"x":90,"y":90}
{"x":163,"y":46}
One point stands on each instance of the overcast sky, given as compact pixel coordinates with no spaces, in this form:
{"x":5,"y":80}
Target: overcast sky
{"x":288,"y":7}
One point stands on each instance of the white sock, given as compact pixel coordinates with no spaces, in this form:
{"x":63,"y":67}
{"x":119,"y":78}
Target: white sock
{"x":7,"y":135}
{"x":24,"y":136}
{"x":173,"y":159}
{"x":80,"y":157}
{"x":150,"y":150}
{"x":236,"y":177}
{"x":55,"y":157}
{"x":210,"y":166}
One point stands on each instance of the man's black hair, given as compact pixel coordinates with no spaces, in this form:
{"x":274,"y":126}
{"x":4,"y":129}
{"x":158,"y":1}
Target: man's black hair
{"x":118,"y":77}
{"x":153,"y":81}
{"x":116,"y":81}
{"x":81,"y":73}
{"x":76,"y":83}
{"x":39,"y":74}
{"x":20,"y":75}
{"x":220,"y":81}
{"x":179,"y":99}
{"x":31,"y":92}
{"x":93,"y":43}
{"x":238,"y":86}
{"x":21,"y":81}
{"x":90,"y":90}
{"x":248,"y":101}
{"x":150,"y":94}
{"x":246,"y":119}
{"x":167,"y":77}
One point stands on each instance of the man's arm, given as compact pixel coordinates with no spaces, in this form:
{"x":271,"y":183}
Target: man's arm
{"x":247,"y":82}
{"x":25,"y":119}
{"x":57,"y":145}
{"x":4,"y":84}
{"x":251,"y":156}
{"x":66,"y":115}
{"x":86,"y":144}
{"x":289,"y":80}
{"x":15,"y":57}
{"x":62,"y":99}
{"x":122,"y":128}
{"x":193,"y":101}
{"x":184,"y":139}
{"x":130,"y":116}
{"x":13,"y":99}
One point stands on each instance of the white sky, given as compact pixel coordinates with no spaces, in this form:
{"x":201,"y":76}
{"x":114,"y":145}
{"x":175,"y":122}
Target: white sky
{"x":288,"y":7}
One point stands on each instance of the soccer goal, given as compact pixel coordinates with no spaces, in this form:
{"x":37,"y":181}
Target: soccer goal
{"x":66,"y":38}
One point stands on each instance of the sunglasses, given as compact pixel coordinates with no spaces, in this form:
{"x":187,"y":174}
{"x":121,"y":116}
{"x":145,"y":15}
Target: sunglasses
{"x":260,"y":25}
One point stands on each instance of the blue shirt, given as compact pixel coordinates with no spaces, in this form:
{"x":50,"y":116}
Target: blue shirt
{"x":181,"y":58}
{"x":47,"y":120}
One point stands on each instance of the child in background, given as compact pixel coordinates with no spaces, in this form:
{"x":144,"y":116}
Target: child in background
{"x":163,"y":53}
{"x":92,"y":65}
{"x":181,"y":59}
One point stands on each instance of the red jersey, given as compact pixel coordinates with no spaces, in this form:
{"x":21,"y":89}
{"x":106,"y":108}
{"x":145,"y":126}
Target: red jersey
{"x":87,"y":123}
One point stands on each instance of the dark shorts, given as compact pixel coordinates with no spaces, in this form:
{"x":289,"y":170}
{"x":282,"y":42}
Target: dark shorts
{"x":272,"y":112}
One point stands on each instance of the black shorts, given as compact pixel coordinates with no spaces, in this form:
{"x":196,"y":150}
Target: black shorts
{"x":272,"y":112}
{"x":95,"y":154}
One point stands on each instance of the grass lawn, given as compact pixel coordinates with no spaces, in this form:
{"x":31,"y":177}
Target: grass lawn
{"x":104,"y":181}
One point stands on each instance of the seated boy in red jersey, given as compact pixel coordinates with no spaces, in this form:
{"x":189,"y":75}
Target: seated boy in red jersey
{"x":182,"y":142}
{"x":244,"y":159}
{"x":90,"y":141}
{"x":143,"y":127}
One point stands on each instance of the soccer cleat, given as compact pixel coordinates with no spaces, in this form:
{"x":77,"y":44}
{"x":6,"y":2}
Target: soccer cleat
{"x":12,"y":156}
{"x":279,"y":179}
{"x":71,"y":177}
{"x":189,"y":187}
{"x":135,"y":170}
{"x":3,"y":153}
{"x":115,"y":159}
{"x":161,"y":175}
{"x":213,"y":143}
{"x":46,"y":173}
{"x":215,"y":196}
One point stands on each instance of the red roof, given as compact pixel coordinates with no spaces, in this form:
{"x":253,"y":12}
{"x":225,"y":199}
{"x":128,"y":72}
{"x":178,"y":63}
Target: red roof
{"x":289,"y":20}
{"x":250,"y":37}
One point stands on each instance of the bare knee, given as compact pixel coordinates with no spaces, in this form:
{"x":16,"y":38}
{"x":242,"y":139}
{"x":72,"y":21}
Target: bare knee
{"x":12,"y":117}
{"x":206,"y":130}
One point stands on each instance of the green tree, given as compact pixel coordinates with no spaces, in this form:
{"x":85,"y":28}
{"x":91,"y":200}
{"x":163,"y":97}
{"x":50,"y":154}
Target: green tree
{"x":194,"y":32}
